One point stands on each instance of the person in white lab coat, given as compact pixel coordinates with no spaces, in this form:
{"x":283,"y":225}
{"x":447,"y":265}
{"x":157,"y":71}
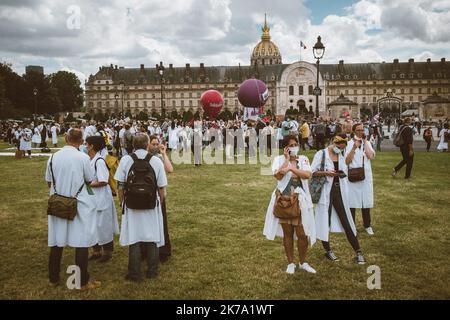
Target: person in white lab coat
{"x":36,"y":139}
{"x":69,"y":174}
{"x":144,"y":226}
{"x":332,"y":213}
{"x":25,"y":140}
{"x":292,"y":173}
{"x":107,"y":224}
{"x":443,"y":140}
{"x":173,"y":136}
{"x":359,"y":153}
{"x":54,"y":131}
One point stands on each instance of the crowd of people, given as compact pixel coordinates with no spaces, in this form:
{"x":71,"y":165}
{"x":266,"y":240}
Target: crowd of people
{"x":129,"y":159}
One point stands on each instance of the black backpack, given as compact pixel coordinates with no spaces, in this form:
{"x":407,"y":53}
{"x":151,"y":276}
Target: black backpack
{"x":140,"y":188}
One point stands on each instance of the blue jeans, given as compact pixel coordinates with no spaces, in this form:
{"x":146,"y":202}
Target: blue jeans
{"x":134,"y":260}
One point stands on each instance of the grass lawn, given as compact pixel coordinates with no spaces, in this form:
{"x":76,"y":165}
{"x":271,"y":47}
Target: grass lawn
{"x":216,"y":217}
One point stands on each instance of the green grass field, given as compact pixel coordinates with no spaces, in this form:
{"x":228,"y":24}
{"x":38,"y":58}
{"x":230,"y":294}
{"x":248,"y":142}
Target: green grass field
{"x":216,"y":217}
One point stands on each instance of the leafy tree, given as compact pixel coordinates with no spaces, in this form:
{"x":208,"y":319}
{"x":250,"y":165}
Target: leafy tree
{"x":68,"y":88}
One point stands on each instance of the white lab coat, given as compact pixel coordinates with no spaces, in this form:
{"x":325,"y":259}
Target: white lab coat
{"x":107,"y":224}
{"x":443,"y":144}
{"x":272,"y":227}
{"x":72,"y":169}
{"x":36,"y":136}
{"x":25,"y":139}
{"x":142,"y":225}
{"x":323,"y":227}
{"x":54,"y":131}
{"x":173,"y":138}
{"x":360,"y":194}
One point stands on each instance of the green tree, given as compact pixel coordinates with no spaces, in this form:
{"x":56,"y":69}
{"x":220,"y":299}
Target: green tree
{"x":68,"y":88}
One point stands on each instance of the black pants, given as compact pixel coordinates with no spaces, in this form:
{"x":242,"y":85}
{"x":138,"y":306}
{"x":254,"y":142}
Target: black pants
{"x":428,"y":141}
{"x":406,"y":160}
{"x":54,"y":263}
{"x":365,"y":215}
{"x":106,"y":247}
{"x":336,"y":203}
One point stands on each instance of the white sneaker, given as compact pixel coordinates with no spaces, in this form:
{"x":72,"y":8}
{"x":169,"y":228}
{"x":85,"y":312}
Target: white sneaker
{"x":305,"y":266}
{"x":290,"y":268}
{"x":369,"y":231}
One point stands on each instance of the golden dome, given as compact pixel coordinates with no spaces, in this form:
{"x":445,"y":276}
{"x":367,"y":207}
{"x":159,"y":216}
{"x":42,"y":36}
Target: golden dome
{"x":265,"y":52}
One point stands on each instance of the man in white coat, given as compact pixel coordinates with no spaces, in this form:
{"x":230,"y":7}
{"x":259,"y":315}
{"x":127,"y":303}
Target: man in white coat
{"x":358,"y":154}
{"x":144,"y":226}
{"x":332,"y":213}
{"x":68,"y":172}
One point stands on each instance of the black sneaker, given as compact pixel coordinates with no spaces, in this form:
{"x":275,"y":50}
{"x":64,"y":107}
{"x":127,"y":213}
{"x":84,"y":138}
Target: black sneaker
{"x":360,"y":258}
{"x":331,"y":256}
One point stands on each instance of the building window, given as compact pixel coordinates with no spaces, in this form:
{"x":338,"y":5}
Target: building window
{"x":136,"y":104}
{"x":310,"y":90}
{"x":291,"y":90}
{"x":153,"y":103}
{"x":136,"y":96}
{"x":402,"y":90}
{"x":355,"y":91}
{"x":128,"y":104}
{"x":364,"y":99}
{"x":374,"y":99}
{"x":346,"y":92}
{"x":411,"y":98}
{"x":300,"y":90}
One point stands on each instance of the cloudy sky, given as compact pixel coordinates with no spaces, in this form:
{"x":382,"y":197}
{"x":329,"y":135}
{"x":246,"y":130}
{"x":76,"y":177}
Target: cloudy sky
{"x":80,"y":36}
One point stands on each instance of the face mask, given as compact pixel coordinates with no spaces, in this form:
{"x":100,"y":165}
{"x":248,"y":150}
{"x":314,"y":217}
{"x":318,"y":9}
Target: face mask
{"x":336,"y":150}
{"x":294,"y":150}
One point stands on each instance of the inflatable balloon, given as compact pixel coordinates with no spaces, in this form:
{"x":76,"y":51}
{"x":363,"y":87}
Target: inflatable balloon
{"x":212,"y":103}
{"x":253,"y":93}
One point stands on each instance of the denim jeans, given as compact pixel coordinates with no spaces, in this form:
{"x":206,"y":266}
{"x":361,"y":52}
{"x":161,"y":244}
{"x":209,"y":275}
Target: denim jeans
{"x":134,"y":260}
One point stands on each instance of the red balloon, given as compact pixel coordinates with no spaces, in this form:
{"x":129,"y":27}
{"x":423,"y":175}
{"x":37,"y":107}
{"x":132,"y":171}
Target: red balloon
{"x":212,"y":103}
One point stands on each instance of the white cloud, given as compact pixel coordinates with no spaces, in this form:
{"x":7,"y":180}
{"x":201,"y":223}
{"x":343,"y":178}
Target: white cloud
{"x":216,"y":32}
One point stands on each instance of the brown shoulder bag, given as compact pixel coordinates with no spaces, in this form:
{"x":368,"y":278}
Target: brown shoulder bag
{"x":357,"y":174}
{"x":61,"y":206}
{"x":286,"y":207}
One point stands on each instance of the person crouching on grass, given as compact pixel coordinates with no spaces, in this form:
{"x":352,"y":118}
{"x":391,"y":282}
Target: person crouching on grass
{"x":332,"y":212}
{"x":107,"y":224}
{"x":292,"y":173}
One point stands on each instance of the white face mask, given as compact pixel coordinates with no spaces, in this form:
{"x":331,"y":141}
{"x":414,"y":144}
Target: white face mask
{"x":294,"y":150}
{"x":336,"y":150}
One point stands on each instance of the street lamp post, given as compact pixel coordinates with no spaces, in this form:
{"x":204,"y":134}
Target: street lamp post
{"x":318,"y":51}
{"x":116,"y":97}
{"x":35,"y":92}
{"x":122,"y":85}
{"x":161,"y":75}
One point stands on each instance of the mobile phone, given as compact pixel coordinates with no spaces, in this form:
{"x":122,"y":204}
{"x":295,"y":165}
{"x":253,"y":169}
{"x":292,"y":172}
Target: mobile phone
{"x":341,"y":173}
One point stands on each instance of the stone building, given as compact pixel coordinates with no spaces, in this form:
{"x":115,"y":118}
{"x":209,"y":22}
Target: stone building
{"x":290,"y":86}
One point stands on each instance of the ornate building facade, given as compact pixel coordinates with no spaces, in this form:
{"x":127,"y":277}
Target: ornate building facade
{"x":134,"y":90}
